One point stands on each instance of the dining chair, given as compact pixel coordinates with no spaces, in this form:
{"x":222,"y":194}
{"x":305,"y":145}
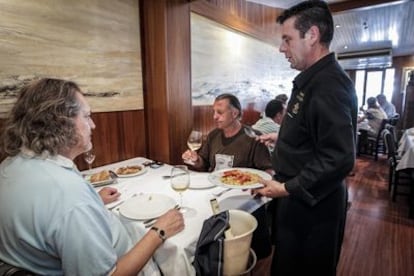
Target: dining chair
{"x":378,"y":142}
{"x":394,"y":119}
{"x":393,"y":131}
{"x":397,"y":178}
{"x":10,"y":270}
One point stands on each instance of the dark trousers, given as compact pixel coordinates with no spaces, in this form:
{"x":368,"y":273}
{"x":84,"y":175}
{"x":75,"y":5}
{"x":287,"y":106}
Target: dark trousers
{"x":307,"y":238}
{"x":261,"y":243}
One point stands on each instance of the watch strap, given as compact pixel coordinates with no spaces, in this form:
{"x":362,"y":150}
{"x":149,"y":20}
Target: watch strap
{"x":160,"y":232}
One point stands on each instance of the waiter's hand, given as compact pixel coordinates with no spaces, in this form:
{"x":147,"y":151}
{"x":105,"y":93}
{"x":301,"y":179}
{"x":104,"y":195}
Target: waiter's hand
{"x":268,"y":139}
{"x":272,"y":188}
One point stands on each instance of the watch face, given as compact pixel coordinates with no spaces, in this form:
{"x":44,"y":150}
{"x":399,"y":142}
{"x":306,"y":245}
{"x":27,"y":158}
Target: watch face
{"x":160,"y":232}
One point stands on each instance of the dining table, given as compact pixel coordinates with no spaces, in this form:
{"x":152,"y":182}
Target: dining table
{"x":406,"y":150}
{"x":176,"y":254}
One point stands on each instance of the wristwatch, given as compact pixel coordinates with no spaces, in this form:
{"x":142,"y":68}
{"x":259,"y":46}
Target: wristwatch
{"x":160,"y":232}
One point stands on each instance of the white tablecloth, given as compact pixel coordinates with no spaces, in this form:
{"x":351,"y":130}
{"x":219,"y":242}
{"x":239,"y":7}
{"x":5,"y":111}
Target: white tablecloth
{"x":406,"y":150}
{"x":177,"y":253}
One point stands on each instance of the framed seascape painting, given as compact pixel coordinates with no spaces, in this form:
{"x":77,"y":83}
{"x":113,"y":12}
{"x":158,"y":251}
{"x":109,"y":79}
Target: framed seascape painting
{"x":226,"y":61}
{"x":96,"y":44}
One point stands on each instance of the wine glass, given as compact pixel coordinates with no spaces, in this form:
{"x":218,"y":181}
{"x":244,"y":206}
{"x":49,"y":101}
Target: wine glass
{"x":89,"y":157}
{"x":194,"y":142}
{"x":180,"y":181}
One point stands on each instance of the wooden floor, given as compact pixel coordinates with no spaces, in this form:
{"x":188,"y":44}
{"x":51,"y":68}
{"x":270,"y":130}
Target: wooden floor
{"x":379,"y":236}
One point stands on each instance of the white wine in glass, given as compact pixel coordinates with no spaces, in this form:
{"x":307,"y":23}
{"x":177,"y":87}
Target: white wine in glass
{"x":89,"y":157}
{"x":180,"y":181}
{"x":194,"y":142}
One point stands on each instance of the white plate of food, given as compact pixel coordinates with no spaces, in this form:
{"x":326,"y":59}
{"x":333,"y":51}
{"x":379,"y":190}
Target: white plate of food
{"x":130,"y":170}
{"x":239,"y":178}
{"x":146,"y":206}
{"x":100,"y":178}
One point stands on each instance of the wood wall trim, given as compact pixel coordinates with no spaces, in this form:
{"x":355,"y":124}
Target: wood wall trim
{"x":179,"y":77}
{"x":223,"y":17}
{"x":153,"y":21}
{"x":167,"y":77}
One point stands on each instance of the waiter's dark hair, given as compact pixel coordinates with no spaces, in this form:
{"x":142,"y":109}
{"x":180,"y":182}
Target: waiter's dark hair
{"x":233,"y":101}
{"x":308,"y":14}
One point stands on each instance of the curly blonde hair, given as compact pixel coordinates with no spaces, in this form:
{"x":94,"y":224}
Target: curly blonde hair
{"x":42,"y":118}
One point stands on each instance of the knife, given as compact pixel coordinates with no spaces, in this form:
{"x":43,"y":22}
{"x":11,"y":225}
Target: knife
{"x":119,"y":203}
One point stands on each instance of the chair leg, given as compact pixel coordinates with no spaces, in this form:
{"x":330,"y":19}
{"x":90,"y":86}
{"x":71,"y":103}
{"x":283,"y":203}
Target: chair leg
{"x":411,"y":201}
{"x":377,"y":146}
{"x":390,"y":177}
{"x":395,"y":185}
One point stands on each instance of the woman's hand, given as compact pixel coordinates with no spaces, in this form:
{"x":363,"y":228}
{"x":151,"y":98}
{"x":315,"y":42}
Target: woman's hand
{"x":109,"y":194}
{"x":171,"y":222}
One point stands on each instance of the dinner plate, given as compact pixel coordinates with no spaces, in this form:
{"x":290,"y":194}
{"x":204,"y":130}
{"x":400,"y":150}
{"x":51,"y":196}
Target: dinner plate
{"x":100,"y":183}
{"x":141,"y":171}
{"x":215,"y":177}
{"x":200,"y":181}
{"x":146,"y":206}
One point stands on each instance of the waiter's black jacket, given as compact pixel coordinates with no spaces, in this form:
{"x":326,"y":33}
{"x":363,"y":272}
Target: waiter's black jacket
{"x":316,"y":145}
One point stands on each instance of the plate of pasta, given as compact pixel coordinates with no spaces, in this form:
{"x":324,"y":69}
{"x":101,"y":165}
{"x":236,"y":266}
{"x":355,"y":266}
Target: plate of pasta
{"x":239,"y":178}
{"x":129,"y":171}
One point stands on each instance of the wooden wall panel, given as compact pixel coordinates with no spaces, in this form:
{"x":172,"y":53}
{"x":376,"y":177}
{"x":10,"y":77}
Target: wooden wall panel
{"x":259,"y":15}
{"x":154,"y":53}
{"x":118,"y":136}
{"x":167,"y":75}
{"x":255,"y":20}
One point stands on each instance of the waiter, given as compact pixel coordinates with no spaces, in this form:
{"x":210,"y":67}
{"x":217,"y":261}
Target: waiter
{"x":315,"y":149}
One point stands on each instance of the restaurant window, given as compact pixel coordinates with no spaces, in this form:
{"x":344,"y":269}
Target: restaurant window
{"x":370,"y":83}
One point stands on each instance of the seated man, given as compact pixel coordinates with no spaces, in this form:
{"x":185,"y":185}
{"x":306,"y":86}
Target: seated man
{"x":229,"y":146}
{"x":52,"y":221}
{"x":274,"y":112}
{"x":388,"y":107}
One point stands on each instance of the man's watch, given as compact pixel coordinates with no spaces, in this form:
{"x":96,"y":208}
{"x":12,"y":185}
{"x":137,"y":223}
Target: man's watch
{"x":160,"y":232}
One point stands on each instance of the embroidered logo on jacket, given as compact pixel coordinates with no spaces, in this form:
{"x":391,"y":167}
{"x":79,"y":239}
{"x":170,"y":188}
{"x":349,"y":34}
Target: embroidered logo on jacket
{"x":296,"y":106}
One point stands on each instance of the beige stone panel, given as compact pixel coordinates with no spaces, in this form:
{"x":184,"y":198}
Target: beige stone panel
{"x":95,"y":43}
